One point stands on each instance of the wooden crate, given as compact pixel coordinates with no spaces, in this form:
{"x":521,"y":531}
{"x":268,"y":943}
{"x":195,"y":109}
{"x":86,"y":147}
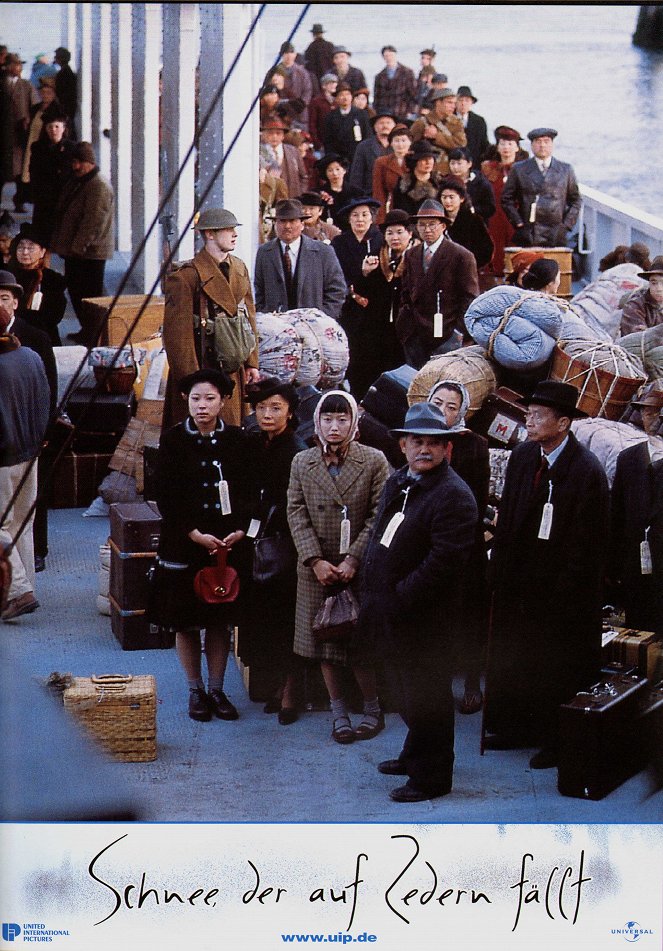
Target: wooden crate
{"x":561,"y":255}
{"x":122,"y":317}
{"x":119,"y":711}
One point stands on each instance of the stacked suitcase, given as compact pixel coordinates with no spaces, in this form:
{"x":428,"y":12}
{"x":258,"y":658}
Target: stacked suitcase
{"x":134,"y":539}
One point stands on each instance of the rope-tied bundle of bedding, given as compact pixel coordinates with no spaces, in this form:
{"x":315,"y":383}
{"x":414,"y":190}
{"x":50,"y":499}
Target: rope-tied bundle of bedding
{"x":518,"y":328}
{"x":603,"y":372}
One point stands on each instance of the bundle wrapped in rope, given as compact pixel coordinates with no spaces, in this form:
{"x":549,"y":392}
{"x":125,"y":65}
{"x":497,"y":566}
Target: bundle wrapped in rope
{"x":604,"y":374}
{"x":647,"y":346}
{"x":279,"y":347}
{"x":575,"y":327}
{"x":598,"y":302}
{"x":606,"y":438}
{"x":333,"y":344}
{"x":469,"y":366}
{"x":310,"y":366}
{"x":518,"y":328}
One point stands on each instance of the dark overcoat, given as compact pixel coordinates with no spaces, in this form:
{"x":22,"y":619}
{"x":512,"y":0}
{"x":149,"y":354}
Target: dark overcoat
{"x":453,"y":272}
{"x":50,"y":168}
{"x":470,"y":231}
{"x":557,"y":199}
{"x":361,"y":170}
{"x":53,"y":302}
{"x":632,"y":498}
{"x":477,"y":137}
{"x":339,"y":131}
{"x":547,"y":594}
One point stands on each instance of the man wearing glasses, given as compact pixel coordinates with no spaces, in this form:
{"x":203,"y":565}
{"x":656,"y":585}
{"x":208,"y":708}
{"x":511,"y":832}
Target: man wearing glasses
{"x":439,"y":284}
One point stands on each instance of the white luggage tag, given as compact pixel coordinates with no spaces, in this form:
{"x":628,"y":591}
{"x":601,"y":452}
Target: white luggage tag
{"x":224,"y":494}
{"x":645,"y":555}
{"x":254,"y":528}
{"x":532,"y":211}
{"x":356,"y":131}
{"x":546,"y":517}
{"x":37,"y":298}
{"x":438,"y":318}
{"x":344,"y":547}
{"x":395,"y":521}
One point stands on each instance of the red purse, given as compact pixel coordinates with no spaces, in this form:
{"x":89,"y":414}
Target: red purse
{"x":218,"y":584}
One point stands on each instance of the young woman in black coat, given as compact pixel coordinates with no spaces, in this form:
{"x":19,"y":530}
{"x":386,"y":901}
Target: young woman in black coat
{"x":467,"y":228}
{"x":359,"y":242}
{"x":198,"y":461}
{"x":268,"y":619}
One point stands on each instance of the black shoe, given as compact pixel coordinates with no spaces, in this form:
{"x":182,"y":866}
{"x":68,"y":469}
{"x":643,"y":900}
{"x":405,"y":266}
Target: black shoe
{"x":40,"y":563}
{"x":288,"y":715}
{"x":221,"y":706}
{"x":544,"y":759}
{"x":392,"y":767}
{"x":199,"y":705}
{"x":272,"y":706}
{"x":409,"y":793}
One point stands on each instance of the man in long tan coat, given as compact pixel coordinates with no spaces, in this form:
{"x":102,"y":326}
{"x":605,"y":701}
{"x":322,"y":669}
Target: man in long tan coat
{"x":220,"y":282}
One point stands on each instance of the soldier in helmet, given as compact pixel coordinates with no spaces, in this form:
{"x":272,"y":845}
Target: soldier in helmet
{"x":203,"y":296}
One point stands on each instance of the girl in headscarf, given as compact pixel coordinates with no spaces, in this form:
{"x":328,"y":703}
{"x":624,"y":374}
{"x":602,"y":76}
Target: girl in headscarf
{"x":332,"y":500}
{"x":470,"y":458}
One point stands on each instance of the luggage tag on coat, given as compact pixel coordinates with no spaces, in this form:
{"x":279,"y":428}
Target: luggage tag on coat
{"x":438,"y":319}
{"x":546,"y":517}
{"x":532,"y":213}
{"x":224,"y":494}
{"x":253,"y":529}
{"x":37,"y":298}
{"x":394,"y":523}
{"x":344,"y":547}
{"x":356,"y":131}
{"x":645,"y":556}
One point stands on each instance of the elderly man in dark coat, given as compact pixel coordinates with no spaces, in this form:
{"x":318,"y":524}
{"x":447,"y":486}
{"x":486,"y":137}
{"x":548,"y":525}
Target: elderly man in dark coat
{"x":547,"y":562}
{"x":306,"y":275}
{"x":318,"y":54}
{"x":541,"y":197}
{"x":421,"y":541}
{"x":439,"y":278}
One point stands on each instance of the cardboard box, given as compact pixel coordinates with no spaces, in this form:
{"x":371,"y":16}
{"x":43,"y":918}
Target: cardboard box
{"x":76,"y":478}
{"x":128,"y":457}
{"x":122,"y":317}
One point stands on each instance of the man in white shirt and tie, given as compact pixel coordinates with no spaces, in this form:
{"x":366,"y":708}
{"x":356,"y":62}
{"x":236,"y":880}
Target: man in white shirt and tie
{"x":541,"y":198}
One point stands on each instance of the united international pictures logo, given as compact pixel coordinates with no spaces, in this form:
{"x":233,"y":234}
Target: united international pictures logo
{"x":31,"y":932}
{"x":10,"y":930}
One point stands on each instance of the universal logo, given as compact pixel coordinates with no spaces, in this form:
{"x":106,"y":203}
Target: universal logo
{"x":631,"y":931}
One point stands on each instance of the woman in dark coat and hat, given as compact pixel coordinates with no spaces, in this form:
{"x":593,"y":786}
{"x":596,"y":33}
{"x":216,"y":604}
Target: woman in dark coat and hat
{"x":268,"y":622}
{"x":466,"y":228}
{"x":50,"y":167}
{"x":334,"y":188}
{"x":421,"y":181}
{"x":361,"y":240}
{"x":43,"y":303}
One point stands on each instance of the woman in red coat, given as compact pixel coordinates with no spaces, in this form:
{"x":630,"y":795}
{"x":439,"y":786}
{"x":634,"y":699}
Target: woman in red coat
{"x":496,"y":168}
{"x":388,"y":169}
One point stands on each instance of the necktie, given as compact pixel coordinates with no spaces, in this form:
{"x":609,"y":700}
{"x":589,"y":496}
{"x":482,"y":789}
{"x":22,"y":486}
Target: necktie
{"x":428,"y":257}
{"x":543,"y":468}
{"x":287,"y":270}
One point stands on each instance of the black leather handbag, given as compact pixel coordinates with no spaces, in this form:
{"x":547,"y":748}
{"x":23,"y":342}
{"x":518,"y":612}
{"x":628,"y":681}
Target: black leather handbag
{"x":274,"y":556}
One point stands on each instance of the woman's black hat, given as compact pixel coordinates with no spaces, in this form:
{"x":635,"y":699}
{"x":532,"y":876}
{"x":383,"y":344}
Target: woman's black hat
{"x":272,"y":386}
{"x":326,"y":160}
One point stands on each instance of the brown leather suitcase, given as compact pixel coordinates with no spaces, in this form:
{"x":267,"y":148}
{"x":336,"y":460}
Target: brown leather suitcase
{"x":597,"y":728}
{"x":501,"y":419}
{"x":633,"y":648}
{"x":135,"y":633}
{"x":135,"y":526}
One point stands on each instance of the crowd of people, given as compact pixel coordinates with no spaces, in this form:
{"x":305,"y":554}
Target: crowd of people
{"x":391,"y":219}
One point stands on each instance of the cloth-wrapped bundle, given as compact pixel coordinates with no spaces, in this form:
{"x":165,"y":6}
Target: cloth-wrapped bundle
{"x":124,"y":357}
{"x":598,"y":302}
{"x":518,"y":328}
{"x":606,"y":438}
{"x":605,"y":375}
{"x":469,"y":366}
{"x":647,"y":346}
{"x":333,"y":344}
{"x":310,"y":366}
{"x":68,"y":360}
{"x":499,"y":460}
{"x":279,"y":347}
{"x":574,"y":326}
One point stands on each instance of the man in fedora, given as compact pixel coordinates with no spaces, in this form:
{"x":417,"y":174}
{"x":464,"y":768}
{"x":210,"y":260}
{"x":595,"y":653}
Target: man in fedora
{"x":212,"y":285}
{"x":395,"y":88}
{"x":441,"y":127}
{"x":547,"y":561}
{"x":474,"y":125}
{"x":411,"y":581}
{"x":295,"y":271}
{"x":283,"y":160}
{"x":346,"y":73}
{"x":439,"y":277}
{"x":644,"y":307}
{"x":632,"y":500}
{"x":24,"y":412}
{"x":372,"y":148}
{"x":318,"y":54}
{"x":541,"y":197}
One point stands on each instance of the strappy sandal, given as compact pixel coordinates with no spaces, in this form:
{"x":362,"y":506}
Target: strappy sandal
{"x":370,"y":726}
{"x":472,"y":701}
{"x":343,"y":733}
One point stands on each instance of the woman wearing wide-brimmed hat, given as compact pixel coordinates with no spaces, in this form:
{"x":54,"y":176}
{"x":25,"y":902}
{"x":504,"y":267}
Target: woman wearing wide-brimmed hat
{"x":360,"y":240}
{"x":644,"y":308}
{"x":421,"y":181}
{"x":496,"y":168}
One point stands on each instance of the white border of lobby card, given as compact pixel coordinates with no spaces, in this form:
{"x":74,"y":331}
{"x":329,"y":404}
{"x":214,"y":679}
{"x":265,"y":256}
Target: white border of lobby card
{"x":264,"y":887}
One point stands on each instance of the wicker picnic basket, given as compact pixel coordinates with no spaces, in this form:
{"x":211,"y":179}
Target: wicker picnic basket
{"x":604,"y":374}
{"x":119,"y":711}
{"x":469,"y":366}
